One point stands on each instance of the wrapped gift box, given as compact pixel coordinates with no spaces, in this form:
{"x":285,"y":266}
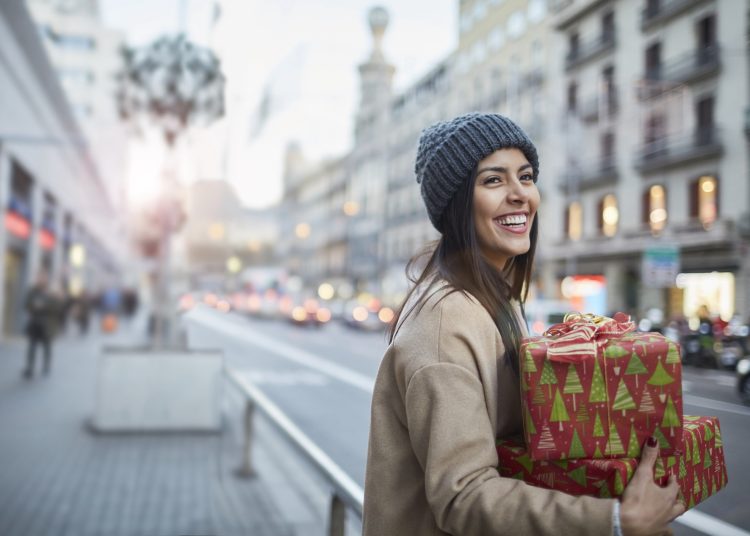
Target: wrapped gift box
{"x":700,"y":470}
{"x":593,"y":388}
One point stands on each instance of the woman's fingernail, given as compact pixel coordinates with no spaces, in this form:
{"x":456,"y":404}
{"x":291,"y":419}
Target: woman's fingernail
{"x":651,"y":441}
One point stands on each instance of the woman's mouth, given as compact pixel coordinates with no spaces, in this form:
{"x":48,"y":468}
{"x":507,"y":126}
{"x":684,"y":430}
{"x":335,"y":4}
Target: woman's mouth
{"x":514,"y":223}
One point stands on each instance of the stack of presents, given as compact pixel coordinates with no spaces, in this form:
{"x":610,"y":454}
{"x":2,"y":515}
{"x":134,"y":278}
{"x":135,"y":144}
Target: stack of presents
{"x":592,"y":391}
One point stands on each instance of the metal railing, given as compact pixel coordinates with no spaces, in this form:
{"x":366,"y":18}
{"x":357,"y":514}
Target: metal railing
{"x":667,"y":151}
{"x":345,"y":493}
{"x":688,"y":67}
{"x":587,"y":50}
{"x":660,"y":12}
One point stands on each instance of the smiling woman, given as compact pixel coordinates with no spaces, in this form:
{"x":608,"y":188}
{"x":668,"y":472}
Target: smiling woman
{"x":448,"y":385}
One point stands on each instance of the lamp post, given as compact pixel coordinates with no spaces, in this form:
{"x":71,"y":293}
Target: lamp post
{"x":172,"y":85}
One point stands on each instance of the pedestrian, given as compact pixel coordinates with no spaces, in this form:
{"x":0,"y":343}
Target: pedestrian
{"x":43,"y":312}
{"x":81,"y":311}
{"x":448,"y":384}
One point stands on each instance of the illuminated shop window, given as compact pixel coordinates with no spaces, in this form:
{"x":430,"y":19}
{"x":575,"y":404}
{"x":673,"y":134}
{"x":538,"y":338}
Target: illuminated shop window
{"x":704,"y":200}
{"x":609,"y":215}
{"x":574,"y":221}
{"x":655,"y":213}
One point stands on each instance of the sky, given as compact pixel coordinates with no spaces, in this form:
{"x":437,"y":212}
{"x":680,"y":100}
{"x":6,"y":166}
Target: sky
{"x":301,"y":55}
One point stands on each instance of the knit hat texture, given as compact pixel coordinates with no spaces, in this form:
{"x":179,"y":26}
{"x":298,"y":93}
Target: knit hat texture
{"x":450,"y":150}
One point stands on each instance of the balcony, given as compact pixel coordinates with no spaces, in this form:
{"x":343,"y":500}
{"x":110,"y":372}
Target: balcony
{"x":691,"y":67}
{"x":673,"y":151}
{"x":601,"y":172}
{"x":589,"y":50}
{"x":661,"y":12}
{"x":533,"y":77}
{"x":598,"y":107}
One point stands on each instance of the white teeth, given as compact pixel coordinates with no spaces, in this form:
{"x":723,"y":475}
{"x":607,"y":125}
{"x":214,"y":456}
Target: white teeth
{"x":518,"y":219}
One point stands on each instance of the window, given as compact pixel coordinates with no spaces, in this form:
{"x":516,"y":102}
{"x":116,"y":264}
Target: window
{"x":704,"y":112}
{"x":704,"y":200}
{"x":609,"y":215}
{"x":607,"y":150}
{"x":608,"y":26}
{"x":572,"y":96}
{"x":653,"y":61}
{"x":655,"y":208}
{"x":537,"y":9}
{"x":608,"y":83}
{"x":573,"y":43}
{"x":705,"y":30}
{"x":516,"y":25}
{"x":574,"y":221}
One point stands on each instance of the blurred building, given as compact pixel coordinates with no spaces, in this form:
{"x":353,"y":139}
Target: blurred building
{"x":57,"y":216}
{"x":655,"y":92}
{"x":86,"y":57}
{"x":314,"y":218}
{"x":221,"y":237}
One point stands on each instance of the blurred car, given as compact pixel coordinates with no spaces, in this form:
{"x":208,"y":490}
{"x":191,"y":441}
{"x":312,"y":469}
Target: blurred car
{"x":309,"y":313}
{"x":743,"y":380}
{"x":369,"y":317}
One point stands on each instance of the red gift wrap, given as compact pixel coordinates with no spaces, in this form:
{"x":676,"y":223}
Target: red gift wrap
{"x":700,"y":470}
{"x":593,"y":388}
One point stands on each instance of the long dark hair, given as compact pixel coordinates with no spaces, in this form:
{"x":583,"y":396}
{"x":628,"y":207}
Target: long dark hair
{"x":457,"y":259}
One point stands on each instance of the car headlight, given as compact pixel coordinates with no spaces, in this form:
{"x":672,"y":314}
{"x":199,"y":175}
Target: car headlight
{"x":743,"y":367}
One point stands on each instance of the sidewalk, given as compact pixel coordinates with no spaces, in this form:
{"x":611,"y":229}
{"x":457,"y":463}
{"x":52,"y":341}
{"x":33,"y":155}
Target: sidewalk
{"x":57,"y":478}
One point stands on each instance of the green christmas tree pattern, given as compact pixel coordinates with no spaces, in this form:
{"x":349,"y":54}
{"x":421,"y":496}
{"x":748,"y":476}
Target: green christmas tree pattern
{"x":647,"y":406}
{"x":598,"y":452}
{"x":598,"y":428}
{"x":548,"y":376}
{"x":623,"y":399}
{"x":598,"y":390}
{"x":670,"y":419}
{"x":528,"y":422}
{"x":559,"y":412}
{"x":614,"y":442}
{"x":634,"y":449}
{"x":660,"y":377}
{"x":614,"y":351}
{"x":619,"y":486}
{"x":696,"y":451}
{"x":659,"y":435}
{"x":576,"y":447}
{"x":528,"y":362}
{"x":578,"y":475}
{"x":683,"y":470}
{"x":582,"y":415}
{"x":635,"y":367}
{"x":572,"y":384}
{"x":707,"y":458}
{"x":718,"y":443}
{"x":673,"y":356}
{"x":546,"y":441}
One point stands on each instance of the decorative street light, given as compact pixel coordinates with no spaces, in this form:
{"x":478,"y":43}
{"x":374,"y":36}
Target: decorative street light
{"x":172,"y":85}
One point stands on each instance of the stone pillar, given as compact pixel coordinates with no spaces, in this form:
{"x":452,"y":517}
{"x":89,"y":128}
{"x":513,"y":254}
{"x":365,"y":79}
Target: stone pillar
{"x":35,"y":253}
{"x":614,"y":273}
{"x":5,"y":168}
{"x":58,"y":254}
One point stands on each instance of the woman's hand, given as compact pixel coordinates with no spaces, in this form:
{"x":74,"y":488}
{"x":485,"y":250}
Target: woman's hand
{"x":646,"y":507}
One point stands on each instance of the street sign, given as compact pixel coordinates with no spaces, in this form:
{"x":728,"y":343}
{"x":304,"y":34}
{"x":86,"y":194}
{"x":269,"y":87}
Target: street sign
{"x":660,"y":266}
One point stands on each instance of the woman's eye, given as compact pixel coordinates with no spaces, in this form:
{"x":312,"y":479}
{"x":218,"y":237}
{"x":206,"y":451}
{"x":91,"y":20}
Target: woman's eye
{"x":527,"y":177}
{"x":491,"y":180}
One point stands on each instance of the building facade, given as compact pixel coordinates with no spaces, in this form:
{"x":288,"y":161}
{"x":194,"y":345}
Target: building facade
{"x":652,"y":210}
{"x":86,"y":56}
{"x":57,"y":216}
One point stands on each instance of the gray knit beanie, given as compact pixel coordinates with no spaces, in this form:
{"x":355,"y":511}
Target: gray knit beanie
{"x":450,"y":150}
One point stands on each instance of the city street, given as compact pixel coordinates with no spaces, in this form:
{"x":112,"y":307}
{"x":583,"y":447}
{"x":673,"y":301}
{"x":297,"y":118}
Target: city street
{"x":322,"y":379}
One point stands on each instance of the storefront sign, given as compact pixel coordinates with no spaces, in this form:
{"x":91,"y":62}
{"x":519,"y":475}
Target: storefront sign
{"x":17,"y":225}
{"x":660,"y":266}
{"x":46,"y":239}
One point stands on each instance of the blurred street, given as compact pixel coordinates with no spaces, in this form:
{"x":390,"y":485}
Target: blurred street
{"x":322,"y":379}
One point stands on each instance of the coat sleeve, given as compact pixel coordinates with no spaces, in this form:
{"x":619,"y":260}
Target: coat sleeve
{"x":452,"y":437}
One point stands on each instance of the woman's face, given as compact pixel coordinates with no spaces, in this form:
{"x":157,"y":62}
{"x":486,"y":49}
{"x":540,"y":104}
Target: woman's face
{"x":505,"y":203}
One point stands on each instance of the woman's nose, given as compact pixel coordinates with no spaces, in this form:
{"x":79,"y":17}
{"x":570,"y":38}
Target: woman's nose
{"x":518,"y":192}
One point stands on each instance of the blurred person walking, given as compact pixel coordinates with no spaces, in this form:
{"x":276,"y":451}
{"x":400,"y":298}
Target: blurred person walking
{"x":448,"y":385}
{"x":43,"y":310}
{"x":82,"y":311}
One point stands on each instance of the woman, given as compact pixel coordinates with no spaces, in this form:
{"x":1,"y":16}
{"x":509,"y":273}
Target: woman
{"x":448,"y":383}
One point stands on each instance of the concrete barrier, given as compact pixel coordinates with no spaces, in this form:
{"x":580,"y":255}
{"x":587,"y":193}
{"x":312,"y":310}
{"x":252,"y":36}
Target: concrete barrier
{"x":151,"y":390}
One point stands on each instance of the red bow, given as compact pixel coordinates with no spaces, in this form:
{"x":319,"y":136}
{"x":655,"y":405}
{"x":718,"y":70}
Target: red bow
{"x":579,"y":336}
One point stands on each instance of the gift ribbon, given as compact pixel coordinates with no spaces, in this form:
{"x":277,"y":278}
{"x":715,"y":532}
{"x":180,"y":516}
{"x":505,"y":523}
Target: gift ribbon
{"x":580,"y":336}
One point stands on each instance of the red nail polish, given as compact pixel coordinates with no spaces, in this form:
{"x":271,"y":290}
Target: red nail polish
{"x":651,"y":441}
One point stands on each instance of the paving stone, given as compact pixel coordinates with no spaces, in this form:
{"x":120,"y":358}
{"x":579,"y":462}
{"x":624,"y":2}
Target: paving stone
{"x":59,"y":479}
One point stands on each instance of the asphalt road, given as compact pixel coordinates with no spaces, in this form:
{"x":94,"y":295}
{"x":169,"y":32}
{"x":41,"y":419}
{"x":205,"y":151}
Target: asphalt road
{"x":322,"y":378}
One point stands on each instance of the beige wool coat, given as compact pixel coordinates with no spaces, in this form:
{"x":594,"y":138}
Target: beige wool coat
{"x":443,"y":393}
